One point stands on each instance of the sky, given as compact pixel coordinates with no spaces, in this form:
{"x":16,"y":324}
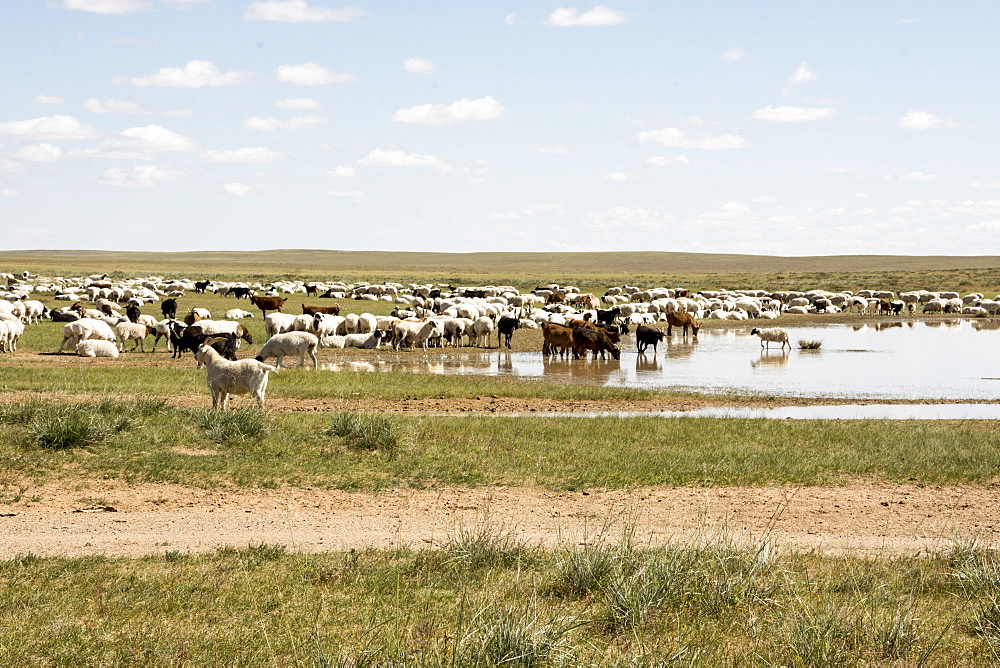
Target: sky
{"x":776,"y":128}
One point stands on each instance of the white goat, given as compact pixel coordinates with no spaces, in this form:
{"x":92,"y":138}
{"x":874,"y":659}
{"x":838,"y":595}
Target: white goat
{"x":772,"y":335}
{"x":224,"y":377}
{"x":96,"y":348}
{"x":290,"y":343}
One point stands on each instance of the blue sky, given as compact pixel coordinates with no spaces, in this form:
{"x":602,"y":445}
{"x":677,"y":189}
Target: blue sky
{"x":780,"y":128}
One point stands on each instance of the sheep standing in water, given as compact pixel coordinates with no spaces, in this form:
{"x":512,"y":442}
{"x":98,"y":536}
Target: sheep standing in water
{"x":772,"y":335}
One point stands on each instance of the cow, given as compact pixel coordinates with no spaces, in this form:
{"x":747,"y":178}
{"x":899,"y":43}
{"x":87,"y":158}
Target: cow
{"x":595,"y":340}
{"x":647,"y":336}
{"x":556,"y":339}
{"x":266,"y":304}
{"x":684,"y":320}
{"x":313,"y":310}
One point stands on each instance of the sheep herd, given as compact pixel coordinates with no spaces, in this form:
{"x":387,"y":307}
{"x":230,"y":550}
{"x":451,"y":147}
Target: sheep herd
{"x":102,"y":315}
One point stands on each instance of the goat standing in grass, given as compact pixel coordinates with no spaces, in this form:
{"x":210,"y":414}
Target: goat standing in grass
{"x":223,"y":377}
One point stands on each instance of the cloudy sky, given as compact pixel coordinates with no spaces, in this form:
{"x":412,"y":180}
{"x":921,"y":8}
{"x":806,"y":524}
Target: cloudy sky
{"x":781,"y":128}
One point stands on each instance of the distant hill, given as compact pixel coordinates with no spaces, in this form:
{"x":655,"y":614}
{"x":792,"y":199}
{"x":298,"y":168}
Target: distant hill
{"x":318,"y":263}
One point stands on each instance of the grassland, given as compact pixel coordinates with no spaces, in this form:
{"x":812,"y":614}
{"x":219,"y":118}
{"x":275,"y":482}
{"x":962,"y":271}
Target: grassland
{"x":590,"y":271}
{"x":485,"y":597}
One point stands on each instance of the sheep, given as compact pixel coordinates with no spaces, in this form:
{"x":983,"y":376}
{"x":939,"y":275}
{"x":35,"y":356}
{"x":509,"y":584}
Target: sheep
{"x":326,"y":325}
{"x":364,"y":341}
{"x":96,"y":348}
{"x":224,"y":377}
{"x":290,"y":343}
{"x":132,"y":331}
{"x":237,"y":314}
{"x":87,"y":328}
{"x":278,"y":323}
{"x":5,"y":346}
{"x":413,"y":332}
{"x":772,"y":335}
{"x":482,"y":327}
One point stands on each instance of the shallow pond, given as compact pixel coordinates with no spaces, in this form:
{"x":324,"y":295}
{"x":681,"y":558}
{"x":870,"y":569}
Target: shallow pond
{"x":935,"y":360}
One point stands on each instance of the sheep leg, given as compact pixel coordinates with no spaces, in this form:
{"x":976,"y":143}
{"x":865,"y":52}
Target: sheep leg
{"x":315,"y":361}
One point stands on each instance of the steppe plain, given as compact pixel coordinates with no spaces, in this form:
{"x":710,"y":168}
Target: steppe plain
{"x":702,"y":540}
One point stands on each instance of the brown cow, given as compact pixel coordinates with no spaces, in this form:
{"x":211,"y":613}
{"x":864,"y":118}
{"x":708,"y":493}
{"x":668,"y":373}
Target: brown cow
{"x":266,"y":304}
{"x":679,"y":319}
{"x":313,"y":310}
{"x":594,"y":340}
{"x":556,"y":339}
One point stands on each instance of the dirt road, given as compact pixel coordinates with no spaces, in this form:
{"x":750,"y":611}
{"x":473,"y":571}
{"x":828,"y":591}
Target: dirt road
{"x":150,"y":519}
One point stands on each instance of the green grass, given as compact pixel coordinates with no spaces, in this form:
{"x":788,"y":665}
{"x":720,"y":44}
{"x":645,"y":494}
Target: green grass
{"x":298,"y":449}
{"x":712,"y":603}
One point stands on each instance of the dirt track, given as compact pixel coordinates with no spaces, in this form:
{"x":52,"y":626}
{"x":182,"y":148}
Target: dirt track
{"x":150,"y":519}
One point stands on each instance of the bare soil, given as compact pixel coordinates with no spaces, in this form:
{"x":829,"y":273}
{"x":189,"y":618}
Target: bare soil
{"x":135,"y":520}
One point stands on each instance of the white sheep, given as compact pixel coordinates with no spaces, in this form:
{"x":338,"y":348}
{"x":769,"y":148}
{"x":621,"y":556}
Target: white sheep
{"x":237,"y":314}
{"x":132,"y":331}
{"x":5,"y":346}
{"x":412,"y":332}
{"x":772,"y":335}
{"x":87,"y":328}
{"x":225,"y":377}
{"x":364,"y":341}
{"x":96,"y":348}
{"x":481,"y":329}
{"x":278,"y":323}
{"x":290,"y":343}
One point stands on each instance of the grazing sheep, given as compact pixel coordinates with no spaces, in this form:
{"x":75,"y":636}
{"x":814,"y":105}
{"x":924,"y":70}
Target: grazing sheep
{"x":82,"y":330}
{"x":290,"y":343}
{"x":278,"y":323}
{"x":772,"y":335}
{"x":96,"y":348}
{"x":224,"y":377}
{"x":132,"y":331}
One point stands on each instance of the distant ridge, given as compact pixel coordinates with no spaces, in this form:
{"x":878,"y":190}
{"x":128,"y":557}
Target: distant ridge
{"x":611,"y":263}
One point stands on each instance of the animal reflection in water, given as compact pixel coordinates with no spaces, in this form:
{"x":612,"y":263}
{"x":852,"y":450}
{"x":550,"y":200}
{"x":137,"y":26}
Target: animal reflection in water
{"x":644,"y":362}
{"x":681,"y":348}
{"x":771,"y":358}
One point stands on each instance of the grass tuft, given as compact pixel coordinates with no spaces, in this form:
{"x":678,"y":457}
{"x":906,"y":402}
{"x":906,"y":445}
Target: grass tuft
{"x":807,"y":344}
{"x":240,"y":424}
{"x":511,"y":638}
{"x":362,"y":431}
{"x":484,"y":546}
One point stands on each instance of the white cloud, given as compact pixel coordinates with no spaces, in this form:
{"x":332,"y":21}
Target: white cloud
{"x":801,"y":75}
{"x":734,"y":55}
{"x":677,"y":138}
{"x":922,"y":120}
{"x":483,"y":109}
{"x":840,"y":170}
{"x":511,"y":19}
{"x":247,"y":154}
{"x":909,"y":21}
{"x":312,"y":74}
{"x":40,"y":153}
{"x":307,"y":122}
{"x":664,"y":161}
{"x":357,"y":195}
{"x":419,"y":66}
{"x":8,"y":192}
{"x":567,"y":17}
{"x":47,"y":128}
{"x":48,"y":99}
{"x":195,"y":74}
{"x":765,"y":199}
{"x":529,"y":211}
{"x":297,"y":11}
{"x":982,"y":184}
{"x":860,"y":195}
{"x":625,"y":220}
{"x":554,"y":150}
{"x":151,"y":138}
{"x":107,"y":6}
{"x":142,"y":176}
{"x":238,"y":189}
{"x":96,"y":106}
{"x":616,"y":176}
{"x":396,"y":158}
{"x":102,"y":154}
{"x":299,"y":103}
{"x":11,"y":167}
{"x":790,"y":114}
{"x":341,"y":172}
{"x":918,"y":176}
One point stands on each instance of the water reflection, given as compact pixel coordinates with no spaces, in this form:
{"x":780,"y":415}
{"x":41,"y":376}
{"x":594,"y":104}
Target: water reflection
{"x":928,"y":360}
